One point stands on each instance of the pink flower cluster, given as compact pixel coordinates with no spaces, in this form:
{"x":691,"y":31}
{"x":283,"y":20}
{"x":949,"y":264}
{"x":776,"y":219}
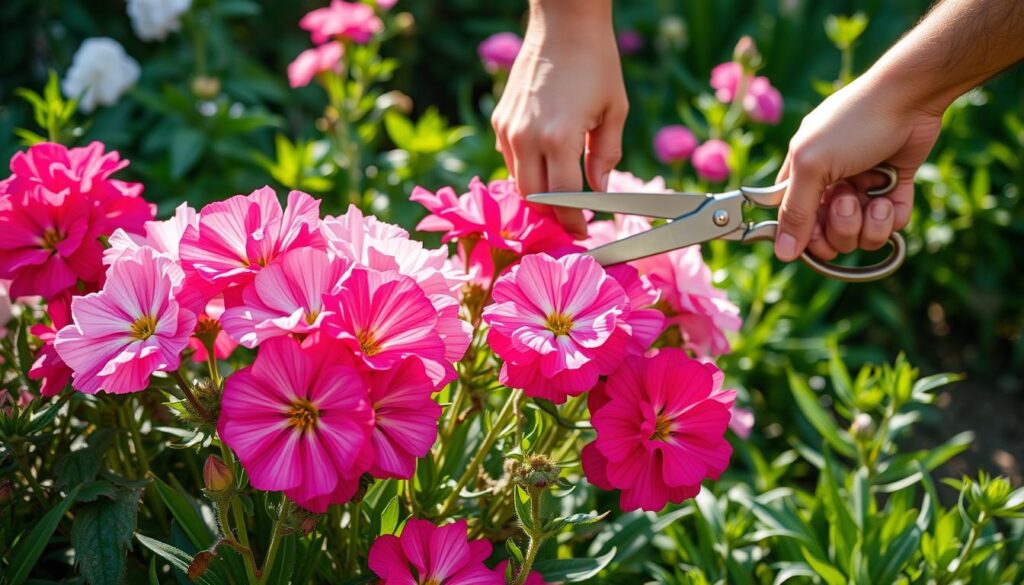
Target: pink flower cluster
{"x":762,"y":102}
{"x":499,"y":51}
{"x":331,"y":28}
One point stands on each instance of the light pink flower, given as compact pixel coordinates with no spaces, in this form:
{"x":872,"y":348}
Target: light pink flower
{"x":763,"y":102}
{"x":312,"y":62}
{"x":660,"y":432}
{"x":623,"y":182}
{"x":162,"y":236}
{"x":386,"y":4}
{"x":499,"y":51}
{"x":237,"y":237}
{"x":286,"y":297}
{"x":405,"y":417}
{"x":553,"y":323}
{"x":300,"y":423}
{"x":384,"y":318}
{"x":133,"y":327}
{"x":711,"y":160}
{"x":725,"y":80}
{"x":439,"y":554}
{"x":674,"y":144}
{"x":353,"y":21}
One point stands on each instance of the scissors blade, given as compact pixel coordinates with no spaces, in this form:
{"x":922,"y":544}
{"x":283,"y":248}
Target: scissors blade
{"x":687,"y":231}
{"x":660,"y":205}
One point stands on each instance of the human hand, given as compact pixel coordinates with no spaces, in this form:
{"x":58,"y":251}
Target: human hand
{"x":564,"y":96}
{"x":826,"y":209}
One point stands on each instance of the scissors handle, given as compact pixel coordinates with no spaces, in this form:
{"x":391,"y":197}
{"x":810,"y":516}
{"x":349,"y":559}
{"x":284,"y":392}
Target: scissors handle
{"x":772,"y":196}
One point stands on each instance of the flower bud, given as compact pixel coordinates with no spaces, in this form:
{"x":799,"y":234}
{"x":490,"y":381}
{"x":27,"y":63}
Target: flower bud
{"x":746,"y":54}
{"x":537,"y":471}
{"x":672,"y":35}
{"x":218,"y":478}
{"x":395,"y":99}
{"x":862,"y":428}
{"x":205,"y":87}
{"x":200,"y":563}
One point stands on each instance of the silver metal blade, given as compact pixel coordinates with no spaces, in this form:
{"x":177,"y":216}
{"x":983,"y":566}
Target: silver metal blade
{"x":696,"y":228}
{"x":660,"y":205}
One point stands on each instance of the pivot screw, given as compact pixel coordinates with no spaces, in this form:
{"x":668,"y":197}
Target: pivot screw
{"x":720,"y":217}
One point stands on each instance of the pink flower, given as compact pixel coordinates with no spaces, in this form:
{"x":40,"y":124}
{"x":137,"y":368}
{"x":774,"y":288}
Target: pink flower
{"x":49,"y":369}
{"x":384,"y":318}
{"x":534,"y":578}
{"x":386,"y":4}
{"x":439,"y":554}
{"x":5,"y":307}
{"x":630,"y":42}
{"x":300,"y":423}
{"x":643,"y":323}
{"x":553,"y":322}
{"x":763,"y":102}
{"x":237,"y":237}
{"x":499,"y":51}
{"x":725,"y":80}
{"x":353,"y":21}
{"x":674,"y":144}
{"x":660,"y":432}
{"x":622,"y":182}
{"x":128,"y":330}
{"x":711,"y":160}
{"x":286,"y":297}
{"x":208,"y":324}
{"x":405,"y":417}
{"x":741,"y":421}
{"x":162,"y":236}
{"x":312,"y":62}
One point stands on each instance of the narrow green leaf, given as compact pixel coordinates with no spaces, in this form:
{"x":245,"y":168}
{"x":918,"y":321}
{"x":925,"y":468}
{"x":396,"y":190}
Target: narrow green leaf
{"x":178,"y":559}
{"x":514,"y":550}
{"x":181,"y":508}
{"x":389,"y":517}
{"x":897,"y":554}
{"x":830,"y":574}
{"x":28,"y":550}
{"x":522,"y":501}
{"x":816,"y":415}
{"x":573,"y":570}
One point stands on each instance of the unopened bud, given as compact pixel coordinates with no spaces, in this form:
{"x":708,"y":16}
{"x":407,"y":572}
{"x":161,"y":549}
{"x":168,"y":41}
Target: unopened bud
{"x":217,"y":477}
{"x":862,"y":428}
{"x":205,"y":87}
{"x":200,"y":563}
{"x":746,"y":54}
{"x":537,"y":471}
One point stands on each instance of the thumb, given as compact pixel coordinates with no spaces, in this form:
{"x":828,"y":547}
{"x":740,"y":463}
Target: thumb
{"x":604,"y":149}
{"x":799,"y":210}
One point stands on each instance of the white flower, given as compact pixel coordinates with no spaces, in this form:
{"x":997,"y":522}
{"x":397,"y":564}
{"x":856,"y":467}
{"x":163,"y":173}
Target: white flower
{"x":101,"y":72}
{"x":152,"y":20}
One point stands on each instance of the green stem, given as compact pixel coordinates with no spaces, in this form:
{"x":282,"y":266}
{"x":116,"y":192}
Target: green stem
{"x":187,"y":389}
{"x":37,"y":489}
{"x":142,"y":460}
{"x":211,"y":360}
{"x":482,"y":452}
{"x":236,"y":509}
{"x":536,"y":536}
{"x":355,"y":515}
{"x":965,"y":554}
{"x":275,"y":543}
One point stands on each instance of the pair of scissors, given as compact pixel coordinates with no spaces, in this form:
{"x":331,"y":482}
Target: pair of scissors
{"x":695,"y":218}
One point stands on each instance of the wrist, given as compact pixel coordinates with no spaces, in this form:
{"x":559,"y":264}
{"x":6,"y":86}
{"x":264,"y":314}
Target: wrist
{"x":907,"y":88}
{"x":572,"y":16}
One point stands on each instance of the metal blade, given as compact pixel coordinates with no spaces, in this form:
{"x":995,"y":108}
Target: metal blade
{"x":660,"y":205}
{"x":693,"y":229}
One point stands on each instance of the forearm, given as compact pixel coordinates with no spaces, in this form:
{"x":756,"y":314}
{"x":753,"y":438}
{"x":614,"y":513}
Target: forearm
{"x":572,"y":17}
{"x":956,"y":47}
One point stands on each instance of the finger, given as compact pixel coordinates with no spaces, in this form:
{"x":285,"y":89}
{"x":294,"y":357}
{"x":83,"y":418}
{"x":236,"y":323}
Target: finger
{"x":879,"y":218}
{"x":564,"y":174}
{"x":604,"y":149}
{"x":902,"y":199}
{"x":529,"y":171}
{"x":819,"y":246}
{"x":783,"y":171}
{"x":502,"y":145}
{"x":844,"y":219}
{"x":799,"y":208}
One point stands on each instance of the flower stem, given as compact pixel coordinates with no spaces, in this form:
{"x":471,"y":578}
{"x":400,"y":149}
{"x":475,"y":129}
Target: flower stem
{"x":275,"y":543}
{"x":236,"y":509}
{"x":142,"y":459}
{"x":965,"y":554}
{"x":355,"y":515}
{"x":187,"y":389}
{"x":211,"y":360}
{"x":536,"y":536}
{"x":483,"y":450}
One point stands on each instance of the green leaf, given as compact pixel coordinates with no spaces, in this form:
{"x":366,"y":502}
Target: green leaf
{"x":583,"y":519}
{"x":898,"y":553}
{"x":187,"y":146}
{"x":178,"y":559}
{"x":389,"y":517}
{"x":925,"y":385}
{"x":522,"y":500}
{"x":96,"y":489}
{"x":400,"y":129}
{"x":573,"y":570}
{"x":229,"y":8}
{"x":184,"y":511}
{"x":843,"y":31}
{"x":102,"y":534}
{"x":830,"y":574}
{"x":514,"y":551}
{"x":817,"y":416}
{"x":28,"y":550}
{"x":83,"y":465}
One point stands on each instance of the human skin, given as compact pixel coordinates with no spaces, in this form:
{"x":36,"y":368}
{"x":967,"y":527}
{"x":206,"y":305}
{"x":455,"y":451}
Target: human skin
{"x":562,"y":102}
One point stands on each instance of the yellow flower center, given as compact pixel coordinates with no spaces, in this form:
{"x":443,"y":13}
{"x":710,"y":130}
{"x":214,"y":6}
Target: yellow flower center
{"x":303,"y":415}
{"x":311,"y":317}
{"x":51,"y":237}
{"x":144,"y":327}
{"x":662,"y":428}
{"x":558,"y":324}
{"x":368,"y":343}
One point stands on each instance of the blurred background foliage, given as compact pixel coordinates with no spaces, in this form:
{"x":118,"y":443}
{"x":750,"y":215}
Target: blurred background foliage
{"x":212,"y":116}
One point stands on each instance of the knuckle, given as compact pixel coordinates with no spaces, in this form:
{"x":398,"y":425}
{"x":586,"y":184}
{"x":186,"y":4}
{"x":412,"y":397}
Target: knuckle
{"x":552,"y":138}
{"x":804,"y":157}
{"x":795,"y":215}
{"x":517,"y":137}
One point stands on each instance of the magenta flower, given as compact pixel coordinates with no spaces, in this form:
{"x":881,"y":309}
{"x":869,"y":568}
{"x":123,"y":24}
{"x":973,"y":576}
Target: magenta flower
{"x":312,"y":62}
{"x":49,"y":369}
{"x":425,"y":553}
{"x":208,"y":323}
{"x":674,"y":144}
{"x":286,"y":297}
{"x":300,"y":423}
{"x":660,"y":432}
{"x":384,"y":318}
{"x":237,"y":237}
{"x":351,"y":21}
{"x":725,"y":80}
{"x":553,"y":322}
{"x":405,"y":417}
{"x":711,"y":160}
{"x":499,"y":51}
{"x":630,"y":42}
{"x":133,"y":327}
{"x":763,"y":102}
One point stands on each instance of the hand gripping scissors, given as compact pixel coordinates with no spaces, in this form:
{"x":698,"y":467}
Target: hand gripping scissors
{"x":698,"y":217}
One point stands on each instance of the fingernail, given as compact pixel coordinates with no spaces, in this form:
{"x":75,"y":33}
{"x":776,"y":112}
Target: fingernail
{"x":846,"y":206}
{"x":880,"y":212}
{"x":785,"y":247}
